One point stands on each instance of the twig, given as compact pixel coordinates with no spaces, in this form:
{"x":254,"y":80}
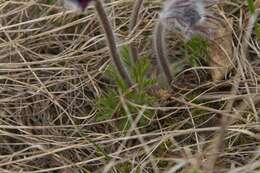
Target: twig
{"x":160,"y":51}
{"x":111,"y":42}
{"x":133,"y":21}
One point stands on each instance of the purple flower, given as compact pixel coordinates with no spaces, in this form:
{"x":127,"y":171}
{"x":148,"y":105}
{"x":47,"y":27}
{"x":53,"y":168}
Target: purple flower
{"x":83,"y":3}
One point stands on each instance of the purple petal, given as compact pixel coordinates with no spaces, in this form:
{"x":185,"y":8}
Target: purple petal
{"x":83,"y":3}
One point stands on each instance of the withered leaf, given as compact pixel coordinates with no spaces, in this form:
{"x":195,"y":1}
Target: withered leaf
{"x":221,"y":50}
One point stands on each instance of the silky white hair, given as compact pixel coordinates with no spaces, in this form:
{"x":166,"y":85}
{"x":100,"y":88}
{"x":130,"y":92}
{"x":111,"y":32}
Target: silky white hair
{"x":186,"y":16}
{"x":71,"y":5}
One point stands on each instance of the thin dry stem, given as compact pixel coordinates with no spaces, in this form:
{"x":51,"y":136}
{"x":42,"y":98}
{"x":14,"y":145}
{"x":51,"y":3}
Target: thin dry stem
{"x":132,"y":24}
{"x":160,"y":51}
{"x":112,"y":43}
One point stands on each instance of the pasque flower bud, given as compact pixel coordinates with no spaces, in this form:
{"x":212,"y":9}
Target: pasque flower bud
{"x":77,"y":4}
{"x":187,"y":16}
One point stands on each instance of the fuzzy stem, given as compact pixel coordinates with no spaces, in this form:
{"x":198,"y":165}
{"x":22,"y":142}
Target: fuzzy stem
{"x":133,"y":21}
{"x":110,"y":38}
{"x":160,"y":51}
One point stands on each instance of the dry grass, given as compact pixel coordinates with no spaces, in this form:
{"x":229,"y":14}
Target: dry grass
{"x":52,"y":66}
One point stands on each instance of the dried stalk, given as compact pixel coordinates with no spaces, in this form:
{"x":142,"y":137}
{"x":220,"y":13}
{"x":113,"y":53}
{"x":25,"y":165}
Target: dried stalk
{"x":160,"y":51}
{"x":133,"y":22}
{"x":111,"y":42}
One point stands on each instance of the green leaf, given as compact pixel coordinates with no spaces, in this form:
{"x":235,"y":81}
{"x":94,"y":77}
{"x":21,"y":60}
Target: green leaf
{"x":109,"y":104}
{"x":251,"y":6}
{"x":196,"y":50}
{"x":50,"y":2}
{"x":257,"y":31}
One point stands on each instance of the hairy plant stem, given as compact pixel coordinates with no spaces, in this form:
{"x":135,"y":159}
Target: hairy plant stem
{"x":133,"y":21}
{"x":160,"y":51}
{"x":110,"y":38}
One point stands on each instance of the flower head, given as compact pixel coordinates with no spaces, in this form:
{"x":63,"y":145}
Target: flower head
{"x":187,"y":16}
{"x":77,"y":4}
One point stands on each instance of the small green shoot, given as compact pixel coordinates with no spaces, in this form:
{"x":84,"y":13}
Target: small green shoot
{"x":196,"y":50}
{"x":109,"y":105}
{"x":50,"y":2}
{"x":251,"y":6}
{"x":257,"y":31}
